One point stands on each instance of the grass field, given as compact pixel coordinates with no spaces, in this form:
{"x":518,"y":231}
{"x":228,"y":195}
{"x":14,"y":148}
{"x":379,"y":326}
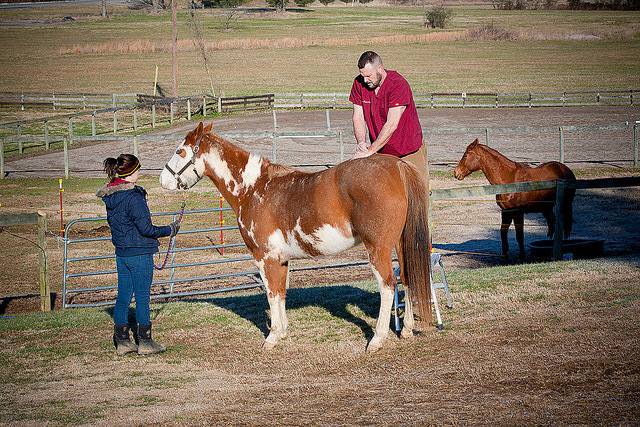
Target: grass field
{"x":316,"y":49}
{"x":525,"y":344}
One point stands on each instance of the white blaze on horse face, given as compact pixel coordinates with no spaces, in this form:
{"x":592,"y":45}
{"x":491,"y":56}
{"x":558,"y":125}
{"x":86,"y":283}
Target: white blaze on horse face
{"x":169,"y":182}
{"x":252,"y":171}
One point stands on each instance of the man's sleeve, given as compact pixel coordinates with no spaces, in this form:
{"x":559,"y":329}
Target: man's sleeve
{"x":400,"y":95}
{"x":356,"y":95}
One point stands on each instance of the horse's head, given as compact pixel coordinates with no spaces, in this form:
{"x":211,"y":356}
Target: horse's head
{"x":186,"y":167}
{"x":470,"y":161}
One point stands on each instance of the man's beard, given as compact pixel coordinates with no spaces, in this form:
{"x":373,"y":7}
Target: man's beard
{"x":372,"y":85}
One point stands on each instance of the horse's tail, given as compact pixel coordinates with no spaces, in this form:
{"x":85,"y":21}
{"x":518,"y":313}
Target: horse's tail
{"x":414,"y":242}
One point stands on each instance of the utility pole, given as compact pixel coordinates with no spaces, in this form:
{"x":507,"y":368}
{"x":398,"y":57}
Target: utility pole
{"x":174,"y":47}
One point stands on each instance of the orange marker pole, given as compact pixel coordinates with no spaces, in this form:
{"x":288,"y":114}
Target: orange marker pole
{"x":61,"y":219}
{"x":221,"y":224}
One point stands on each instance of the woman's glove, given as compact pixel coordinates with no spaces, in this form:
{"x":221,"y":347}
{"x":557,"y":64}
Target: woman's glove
{"x":175,"y":227}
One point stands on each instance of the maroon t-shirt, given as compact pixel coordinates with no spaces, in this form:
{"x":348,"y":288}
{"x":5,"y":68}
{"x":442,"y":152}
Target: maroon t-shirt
{"x":393,"y":92}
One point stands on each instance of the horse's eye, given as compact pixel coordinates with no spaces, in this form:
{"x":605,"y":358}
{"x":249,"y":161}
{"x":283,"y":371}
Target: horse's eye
{"x":178,"y":151}
{"x":195,"y":149}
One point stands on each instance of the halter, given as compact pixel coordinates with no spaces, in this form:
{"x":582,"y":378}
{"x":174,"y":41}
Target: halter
{"x":190,"y":163}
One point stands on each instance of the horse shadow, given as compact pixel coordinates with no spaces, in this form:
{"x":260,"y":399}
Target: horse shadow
{"x":336,"y":300}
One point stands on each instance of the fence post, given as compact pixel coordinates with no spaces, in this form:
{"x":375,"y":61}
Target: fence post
{"x":275,"y":119}
{"x":45,"y":293}
{"x":20,"y":146}
{"x":486,"y":136}
{"x":561,"y":145}
{"x":113,"y":100}
{"x":66,"y":157}
{"x":22,"y":101}
{"x":171,"y":113}
{"x":2,"y":158}
{"x":115,"y":123}
{"x":301,"y":100}
{"x":53,"y":101}
{"x":341,"y":146}
{"x":431,"y":100}
{"x":153,"y":115}
{"x":564,"y":98}
{"x":135,"y":120}
{"x":598,"y":98}
{"x":135,"y":146}
{"x":220,"y":104}
{"x":84,"y":102}
{"x":93,"y":123}
{"x":635,"y":144}
{"x":70,"y":131}
{"x":631,"y":96}
{"x":273,"y":147}
{"x":559,"y":227}
{"x":496,"y":100}
{"x":530,"y":97}
{"x":328,"y":119}
{"x":188,"y":109}
{"x":46,"y":134}
{"x":204,"y":106}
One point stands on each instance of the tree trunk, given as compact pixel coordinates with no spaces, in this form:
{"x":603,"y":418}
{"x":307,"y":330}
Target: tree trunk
{"x":103,"y":13}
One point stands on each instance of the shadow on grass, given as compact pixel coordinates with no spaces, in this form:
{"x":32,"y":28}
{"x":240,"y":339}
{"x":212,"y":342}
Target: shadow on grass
{"x":334,"y":299}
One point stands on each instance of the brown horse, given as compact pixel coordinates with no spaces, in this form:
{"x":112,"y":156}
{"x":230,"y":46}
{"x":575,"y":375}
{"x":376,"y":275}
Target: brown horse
{"x":500,"y":170}
{"x":285,"y":214}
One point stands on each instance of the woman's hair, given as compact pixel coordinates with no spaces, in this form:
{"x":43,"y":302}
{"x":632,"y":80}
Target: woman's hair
{"x":124,"y":165}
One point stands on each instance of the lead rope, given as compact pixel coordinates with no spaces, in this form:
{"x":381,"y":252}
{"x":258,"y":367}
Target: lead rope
{"x":172,"y":240}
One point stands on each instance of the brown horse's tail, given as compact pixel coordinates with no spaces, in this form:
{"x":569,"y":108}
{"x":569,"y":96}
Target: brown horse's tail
{"x":414,"y":242}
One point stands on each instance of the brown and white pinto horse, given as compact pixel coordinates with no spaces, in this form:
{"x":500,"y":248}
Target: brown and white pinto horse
{"x":285,"y":214}
{"x":500,"y":170}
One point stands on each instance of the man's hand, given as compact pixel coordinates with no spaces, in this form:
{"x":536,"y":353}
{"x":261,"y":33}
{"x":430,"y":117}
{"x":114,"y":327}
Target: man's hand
{"x":359,"y":154}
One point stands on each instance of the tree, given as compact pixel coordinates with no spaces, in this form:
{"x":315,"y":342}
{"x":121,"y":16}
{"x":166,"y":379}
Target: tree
{"x":279,"y":5}
{"x":303,"y":3}
{"x":326,"y":2}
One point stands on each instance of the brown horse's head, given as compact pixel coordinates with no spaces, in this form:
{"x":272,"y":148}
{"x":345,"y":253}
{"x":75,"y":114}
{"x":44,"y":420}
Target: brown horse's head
{"x":186,"y":167}
{"x":470,"y":161}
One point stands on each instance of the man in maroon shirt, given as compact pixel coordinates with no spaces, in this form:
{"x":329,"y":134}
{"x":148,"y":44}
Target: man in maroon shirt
{"x":383,"y":104}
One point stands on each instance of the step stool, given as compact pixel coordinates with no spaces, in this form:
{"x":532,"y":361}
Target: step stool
{"x":436,"y":264}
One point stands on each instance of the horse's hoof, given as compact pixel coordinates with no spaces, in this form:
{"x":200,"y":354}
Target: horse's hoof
{"x":270,"y":343}
{"x":374,"y":345}
{"x":406,"y":333}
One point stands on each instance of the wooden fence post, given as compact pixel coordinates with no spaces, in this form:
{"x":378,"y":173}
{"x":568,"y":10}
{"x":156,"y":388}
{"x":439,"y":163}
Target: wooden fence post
{"x":46,"y":134}
{"x":188,"y":109}
{"x":275,"y":119}
{"x":93,"y":124}
{"x":135,"y":146}
{"x":273,"y":147}
{"x":486,"y":137}
{"x":20,"y":146}
{"x":635,"y":144}
{"x":2,"y":158}
{"x":53,"y":101}
{"x":115,"y":122}
{"x":22,"y":101}
{"x":153,"y":115}
{"x":204,"y":106}
{"x":135,"y":120}
{"x":328,"y":119}
{"x":45,"y":293}
{"x":558,"y":234}
{"x":561,"y":145}
{"x":341,"y":143}
{"x":70,"y":131}
{"x":220,"y":104}
{"x":171,"y":113}
{"x":66,"y":157}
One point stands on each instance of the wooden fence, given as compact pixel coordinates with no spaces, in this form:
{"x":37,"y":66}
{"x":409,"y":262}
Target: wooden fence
{"x":472,"y":99}
{"x":74,"y":101}
{"x":39,"y":218}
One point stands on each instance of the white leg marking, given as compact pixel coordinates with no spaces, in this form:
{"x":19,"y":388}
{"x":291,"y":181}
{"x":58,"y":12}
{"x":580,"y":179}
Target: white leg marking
{"x":384,"y":316}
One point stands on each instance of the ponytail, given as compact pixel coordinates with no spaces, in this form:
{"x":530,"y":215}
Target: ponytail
{"x":111,"y":167}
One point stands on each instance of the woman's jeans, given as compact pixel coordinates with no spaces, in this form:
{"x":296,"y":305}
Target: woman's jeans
{"x":135,"y":274}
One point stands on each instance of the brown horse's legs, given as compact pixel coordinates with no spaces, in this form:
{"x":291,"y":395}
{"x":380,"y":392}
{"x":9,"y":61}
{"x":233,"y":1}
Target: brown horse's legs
{"x":408,"y":323}
{"x":551,"y":222}
{"x":380,"y":259}
{"x":275,"y":277}
{"x":504,"y":232}
{"x":518,"y":222}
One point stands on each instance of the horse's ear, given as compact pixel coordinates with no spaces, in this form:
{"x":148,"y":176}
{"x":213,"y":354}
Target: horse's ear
{"x":207,"y":128}
{"x":475,"y":142}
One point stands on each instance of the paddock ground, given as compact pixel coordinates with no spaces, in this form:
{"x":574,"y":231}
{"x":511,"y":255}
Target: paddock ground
{"x":535,"y":343}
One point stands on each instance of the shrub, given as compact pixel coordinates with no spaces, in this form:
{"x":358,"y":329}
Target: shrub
{"x":490,"y":32}
{"x":437,"y":17}
{"x":145,"y":4}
